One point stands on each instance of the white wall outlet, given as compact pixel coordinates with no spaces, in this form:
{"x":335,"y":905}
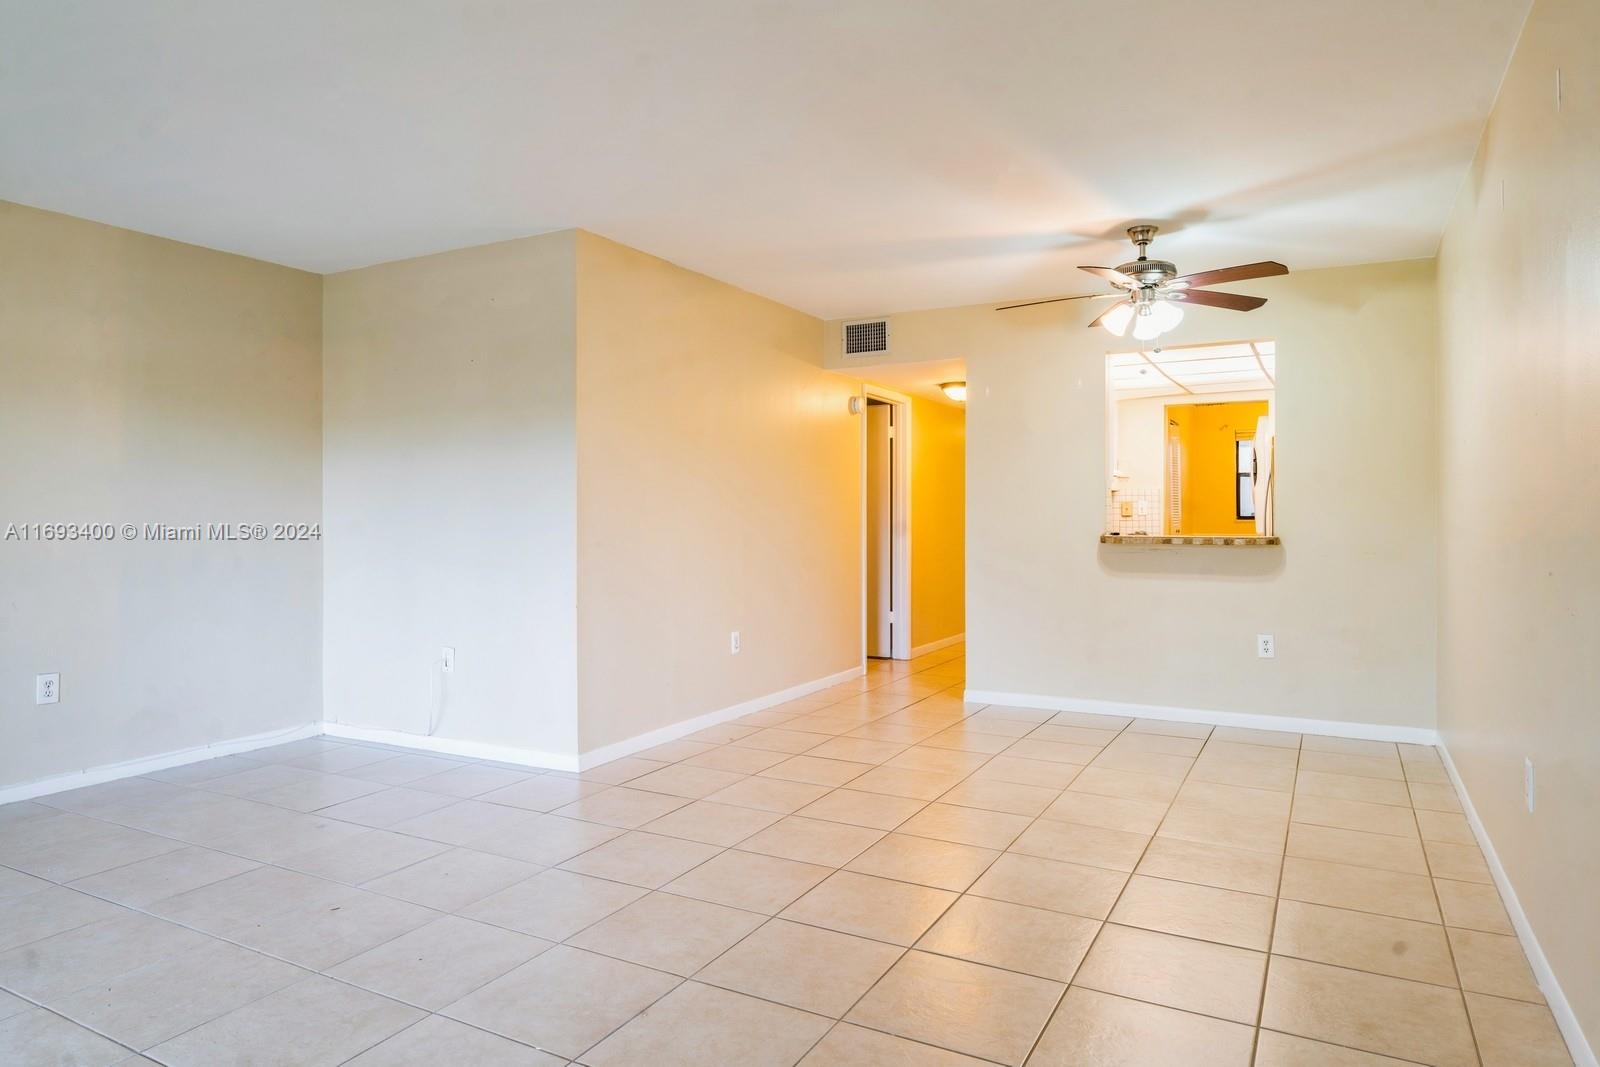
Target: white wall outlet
{"x":447,"y":659}
{"x":733,"y":642}
{"x":1527,"y":782}
{"x":47,"y":689}
{"x":1265,"y":648}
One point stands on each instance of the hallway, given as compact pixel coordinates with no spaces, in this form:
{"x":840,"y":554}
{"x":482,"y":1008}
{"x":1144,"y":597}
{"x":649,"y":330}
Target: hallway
{"x":873,"y":874}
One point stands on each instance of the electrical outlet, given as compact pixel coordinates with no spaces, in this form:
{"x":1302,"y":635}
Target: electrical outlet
{"x":733,"y":642}
{"x":1265,"y":648}
{"x":47,"y":689}
{"x":1527,"y":782}
{"x":447,"y":659}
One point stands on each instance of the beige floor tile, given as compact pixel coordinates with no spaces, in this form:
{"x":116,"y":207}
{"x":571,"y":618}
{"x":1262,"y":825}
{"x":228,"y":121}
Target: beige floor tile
{"x":1198,"y":976}
{"x":1247,"y":736}
{"x":36,"y":1037}
{"x":1168,"y":728}
{"x":1350,"y":746}
{"x":1071,"y":843}
{"x":925,"y":861}
{"x":983,"y":722}
{"x":683,"y":780}
{"x":439,"y":963}
{"x":817,"y":770}
{"x":469,"y":779}
{"x":1197,"y":911}
{"x":1076,"y":735}
{"x":1426,"y":773}
{"x":1219,"y":798}
{"x":966,"y":826}
{"x":403,"y":770}
{"x":50,"y":911}
{"x":158,"y":1002}
{"x":389,"y":806}
{"x":563,"y":1000}
{"x":1356,"y":848}
{"x":1045,"y":944}
{"x":452,"y":880}
{"x":1494,"y":964}
{"x":696,"y":1024}
{"x":1110,"y":813}
{"x":1043,"y":773}
{"x":82,"y":855}
{"x":990,"y":794}
{"x":15,"y":884}
{"x":765,"y":884}
{"x":1253,"y":833}
{"x":178,"y":871}
{"x":738,"y":760}
{"x":1447,"y":826}
{"x":1355,"y":815}
{"x":1352,"y":787}
{"x":1243,"y":773}
{"x":369,"y":855}
{"x":1462,"y":863}
{"x":674,"y":751}
{"x":1171,"y":745}
{"x":553,"y":904}
{"x":1340,"y":885}
{"x":879,"y":811}
{"x":1371,"y":1012}
{"x":962,"y":739}
{"x":1143,"y":762}
{"x":830,"y":844}
{"x":544,"y":793}
{"x":548,"y":840}
{"x":1381,"y":944}
{"x":1054,"y":751}
{"x":907,"y":782}
{"x":1512,"y":1033}
{"x":879,"y":908}
{"x":712,"y":824}
{"x":1343,"y":763}
{"x":643,"y":859}
{"x":314,"y":1021}
{"x":1041,"y":883}
{"x":1212,"y":865}
{"x":769,"y":794}
{"x":320,"y":933}
{"x":806,"y":967}
{"x":669,"y":933}
{"x":965,"y":1007}
{"x":951,"y":761}
{"x":437,"y":1040}
{"x":619,"y":771}
{"x":857,"y":750}
{"x":1093,"y":720}
{"x":856,"y":1046}
{"x":622,"y":806}
{"x":1102,"y":781}
{"x":1285,"y":1050}
{"x":1472,"y":906}
{"x":778,"y":739}
{"x":1097,"y":1028}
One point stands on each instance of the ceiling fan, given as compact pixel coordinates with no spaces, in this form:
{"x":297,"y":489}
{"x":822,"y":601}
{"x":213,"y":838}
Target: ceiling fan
{"x":1151,"y":292}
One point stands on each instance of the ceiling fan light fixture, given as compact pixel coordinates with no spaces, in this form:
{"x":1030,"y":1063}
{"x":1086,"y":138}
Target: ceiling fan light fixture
{"x":1116,"y":320}
{"x":1167,"y":314}
{"x":1146,"y":327}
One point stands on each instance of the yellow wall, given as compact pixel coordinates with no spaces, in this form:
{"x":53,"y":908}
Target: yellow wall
{"x":938,"y":521}
{"x":1519,"y":280}
{"x":719,"y":489}
{"x":147,"y":381}
{"x":1210,"y":471}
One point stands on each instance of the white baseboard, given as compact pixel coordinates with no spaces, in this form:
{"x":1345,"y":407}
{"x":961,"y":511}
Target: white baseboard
{"x":108,"y":772}
{"x":450,"y":746}
{"x":1577,"y":1044}
{"x":597,"y":756}
{"x":934,"y":646}
{"x":1367,"y":731}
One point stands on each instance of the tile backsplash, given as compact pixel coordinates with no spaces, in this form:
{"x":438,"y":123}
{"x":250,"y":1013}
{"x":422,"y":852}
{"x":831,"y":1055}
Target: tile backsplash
{"x":1146,"y":507}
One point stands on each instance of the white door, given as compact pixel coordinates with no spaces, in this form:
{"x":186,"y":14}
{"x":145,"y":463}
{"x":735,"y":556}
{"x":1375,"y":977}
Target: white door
{"x":880,"y":528}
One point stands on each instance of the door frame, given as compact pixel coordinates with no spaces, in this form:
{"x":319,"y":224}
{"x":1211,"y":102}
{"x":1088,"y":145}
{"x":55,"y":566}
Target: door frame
{"x":899,"y":522}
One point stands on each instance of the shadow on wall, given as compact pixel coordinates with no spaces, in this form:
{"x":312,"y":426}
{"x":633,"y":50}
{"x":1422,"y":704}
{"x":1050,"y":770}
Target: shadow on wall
{"x":1253,"y":564}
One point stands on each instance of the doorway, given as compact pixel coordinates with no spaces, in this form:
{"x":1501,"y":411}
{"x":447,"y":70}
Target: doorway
{"x":886,"y":452}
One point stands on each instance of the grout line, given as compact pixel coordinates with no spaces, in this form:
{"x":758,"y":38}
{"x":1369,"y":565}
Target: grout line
{"x":1277,"y":900}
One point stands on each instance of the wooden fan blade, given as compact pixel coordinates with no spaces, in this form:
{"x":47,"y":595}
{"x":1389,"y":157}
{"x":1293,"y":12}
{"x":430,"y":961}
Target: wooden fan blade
{"x":1115,"y":277}
{"x":1242,"y":273}
{"x":1231,"y":301}
{"x":1106,"y":312}
{"x":1059,"y":299}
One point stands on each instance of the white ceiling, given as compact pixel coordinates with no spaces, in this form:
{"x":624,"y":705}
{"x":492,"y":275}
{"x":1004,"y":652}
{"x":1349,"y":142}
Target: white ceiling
{"x":847,"y":157}
{"x":1174,"y":370}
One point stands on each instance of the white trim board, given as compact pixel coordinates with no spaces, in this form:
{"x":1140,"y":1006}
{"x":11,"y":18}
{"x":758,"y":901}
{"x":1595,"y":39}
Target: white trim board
{"x":934,"y":646}
{"x":1577,"y":1044}
{"x":639,"y":743}
{"x":1367,"y":731}
{"x":109,"y":772}
{"x":452,"y":746}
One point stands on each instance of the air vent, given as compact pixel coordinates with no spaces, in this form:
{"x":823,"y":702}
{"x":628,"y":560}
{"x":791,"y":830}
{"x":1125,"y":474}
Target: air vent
{"x":869,"y":337}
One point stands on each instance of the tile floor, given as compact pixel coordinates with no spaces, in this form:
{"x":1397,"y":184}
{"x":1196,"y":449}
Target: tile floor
{"x":872,"y":875}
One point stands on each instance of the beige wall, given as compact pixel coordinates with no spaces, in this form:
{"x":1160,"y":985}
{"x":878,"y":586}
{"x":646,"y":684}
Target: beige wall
{"x":147,"y":381}
{"x":1349,"y":596}
{"x":1520,"y":495}
{"x":938,"y":520}
{"x":718,"y":490}
{"x":450,"y":494}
